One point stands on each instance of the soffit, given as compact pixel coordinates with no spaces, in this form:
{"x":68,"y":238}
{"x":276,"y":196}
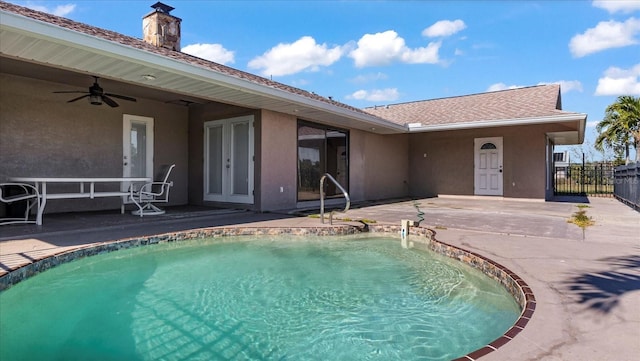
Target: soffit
{"x":565,"y":138}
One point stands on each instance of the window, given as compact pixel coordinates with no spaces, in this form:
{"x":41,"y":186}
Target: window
{"x":321,"y":150}
{"x":558,"y":157}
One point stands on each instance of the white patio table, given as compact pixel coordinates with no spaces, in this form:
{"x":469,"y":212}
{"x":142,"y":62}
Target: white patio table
{"x":41,"y":184}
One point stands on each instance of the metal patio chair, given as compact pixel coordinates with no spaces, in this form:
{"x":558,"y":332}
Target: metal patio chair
{"x":152,"y":192}
{"x":19,"y":192}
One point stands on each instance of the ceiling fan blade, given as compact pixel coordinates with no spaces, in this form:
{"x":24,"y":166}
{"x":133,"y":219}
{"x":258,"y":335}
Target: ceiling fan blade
{"x":78,"y":98}
{"x":121,"y":97}
{"x":69,"y":91}
{"x":109,"y":101}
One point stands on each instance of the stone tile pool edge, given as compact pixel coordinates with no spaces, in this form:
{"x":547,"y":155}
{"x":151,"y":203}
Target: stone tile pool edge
{"x":421,"y":238}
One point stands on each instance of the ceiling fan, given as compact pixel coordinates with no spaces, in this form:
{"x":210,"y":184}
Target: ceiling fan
{"x":97,"y":95}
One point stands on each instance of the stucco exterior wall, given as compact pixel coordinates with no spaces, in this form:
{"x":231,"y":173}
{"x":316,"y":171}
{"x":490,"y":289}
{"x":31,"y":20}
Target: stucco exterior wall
{"x":43,"y":135}
{"x":443,"y":162}
{"x":440,"y":163}
{"x":278,"y":158}
{"x":379,"y":166}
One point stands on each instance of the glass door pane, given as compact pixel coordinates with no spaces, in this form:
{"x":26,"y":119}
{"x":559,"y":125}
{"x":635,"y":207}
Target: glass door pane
{"x":321,"y":150}
{"x":215,"y":158}
{"x":336,"y":163}
{"x":311,"y":161}
{"x":138,"y":149}
{"x":240,"y":156}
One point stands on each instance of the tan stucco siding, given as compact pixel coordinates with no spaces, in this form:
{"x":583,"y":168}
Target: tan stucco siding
{"x":43,"y":135}
{"x":440,"y":163}
{"x":279,"y":144}
{"x":378,"y":166}
{"x":448,"y":167}
{"x":524,"y":162}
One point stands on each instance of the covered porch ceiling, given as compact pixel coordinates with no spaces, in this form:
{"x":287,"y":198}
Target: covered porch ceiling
{"x":49,"y":52}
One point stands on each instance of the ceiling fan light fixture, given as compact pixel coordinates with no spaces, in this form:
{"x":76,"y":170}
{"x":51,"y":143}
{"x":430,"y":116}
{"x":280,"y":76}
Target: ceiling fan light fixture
{"x":95,"y":100}
{"x":97,"y":95}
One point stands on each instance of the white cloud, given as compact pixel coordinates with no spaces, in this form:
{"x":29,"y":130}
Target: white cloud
{"x":444,"y":28}
{"x":565,"y":86}
{"x":614,"y":6}
{"x":387,"y":47}
{"x":376,"y":95}
{"x":616,"y":81}
{"x":301,"y":55}
{"x":426,"y":55}
{"x":606,"y":35}
{"x":570,"y":85}
{"x":366,"y":78}
{"x":502,"y":86}
{"x":60,"y":10}
{"x":213,"y":52}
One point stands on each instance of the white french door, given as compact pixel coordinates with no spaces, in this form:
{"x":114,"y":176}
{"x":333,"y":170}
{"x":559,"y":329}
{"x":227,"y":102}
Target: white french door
{"x":488,"y":166}
{"x":137,"y":146}
{"x":229,"y":162}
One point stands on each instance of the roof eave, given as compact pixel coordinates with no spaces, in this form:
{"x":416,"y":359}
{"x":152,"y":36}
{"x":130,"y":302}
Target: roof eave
{"x":578,"y":117}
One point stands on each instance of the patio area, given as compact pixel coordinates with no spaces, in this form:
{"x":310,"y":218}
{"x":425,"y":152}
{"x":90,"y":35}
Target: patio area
{"x":586,"y":282}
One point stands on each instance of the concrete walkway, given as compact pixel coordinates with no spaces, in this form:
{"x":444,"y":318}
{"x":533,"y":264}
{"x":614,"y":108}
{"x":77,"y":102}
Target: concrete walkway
{"x":587,"y":283}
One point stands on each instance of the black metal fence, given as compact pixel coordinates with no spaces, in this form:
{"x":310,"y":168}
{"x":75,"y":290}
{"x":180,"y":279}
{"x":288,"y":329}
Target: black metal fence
{"x":594,"y":179}
{"x":627,"y":185}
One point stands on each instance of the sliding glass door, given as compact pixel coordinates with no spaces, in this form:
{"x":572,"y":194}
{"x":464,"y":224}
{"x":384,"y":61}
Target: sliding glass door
{"x":321,"y":150}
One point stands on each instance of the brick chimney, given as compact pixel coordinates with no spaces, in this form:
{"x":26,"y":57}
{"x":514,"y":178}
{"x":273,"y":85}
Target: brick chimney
{"x":160,"y":28}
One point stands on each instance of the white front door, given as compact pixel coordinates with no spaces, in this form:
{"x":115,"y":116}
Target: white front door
{"x":488,"y":166}
{"x":137,"y":146}
{"x":228,"y":154}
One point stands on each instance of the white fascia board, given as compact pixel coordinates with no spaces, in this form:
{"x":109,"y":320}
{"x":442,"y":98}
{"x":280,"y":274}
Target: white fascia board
{"x":580,"y":117}
{"x":54,"y":33}
{"x":581,"y":133}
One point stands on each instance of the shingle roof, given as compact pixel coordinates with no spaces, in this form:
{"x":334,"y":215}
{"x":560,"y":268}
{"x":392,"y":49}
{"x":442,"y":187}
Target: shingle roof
{"x":177,"y":55}
{"x":529,"y":102}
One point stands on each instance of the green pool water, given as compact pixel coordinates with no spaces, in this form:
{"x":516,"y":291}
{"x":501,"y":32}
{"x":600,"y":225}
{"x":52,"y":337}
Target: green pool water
{"x":259,"y":299}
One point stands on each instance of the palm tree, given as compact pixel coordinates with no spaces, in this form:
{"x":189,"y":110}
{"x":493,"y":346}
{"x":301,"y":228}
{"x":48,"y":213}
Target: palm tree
{"x":620,"y":127}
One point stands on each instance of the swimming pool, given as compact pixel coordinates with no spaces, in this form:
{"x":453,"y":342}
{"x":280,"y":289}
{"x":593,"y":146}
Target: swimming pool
{"x":287,"y":298}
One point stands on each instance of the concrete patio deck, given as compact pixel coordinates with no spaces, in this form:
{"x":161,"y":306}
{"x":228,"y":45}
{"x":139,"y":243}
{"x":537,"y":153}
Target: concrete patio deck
{"x":586,"y":283}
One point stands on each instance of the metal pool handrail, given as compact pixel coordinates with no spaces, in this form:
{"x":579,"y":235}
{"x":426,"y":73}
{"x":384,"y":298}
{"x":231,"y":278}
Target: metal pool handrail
{"x":344,"y":192}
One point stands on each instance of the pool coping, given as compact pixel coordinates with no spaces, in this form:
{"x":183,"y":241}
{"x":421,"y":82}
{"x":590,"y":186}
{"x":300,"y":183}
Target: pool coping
{"x":419,"y":237}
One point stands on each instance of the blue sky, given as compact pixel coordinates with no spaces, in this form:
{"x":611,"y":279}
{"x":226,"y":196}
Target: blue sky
{"x":367,"y":53}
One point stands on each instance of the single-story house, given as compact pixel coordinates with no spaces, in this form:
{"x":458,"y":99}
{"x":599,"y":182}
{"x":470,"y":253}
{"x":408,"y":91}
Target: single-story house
{"x":241,"y":140}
